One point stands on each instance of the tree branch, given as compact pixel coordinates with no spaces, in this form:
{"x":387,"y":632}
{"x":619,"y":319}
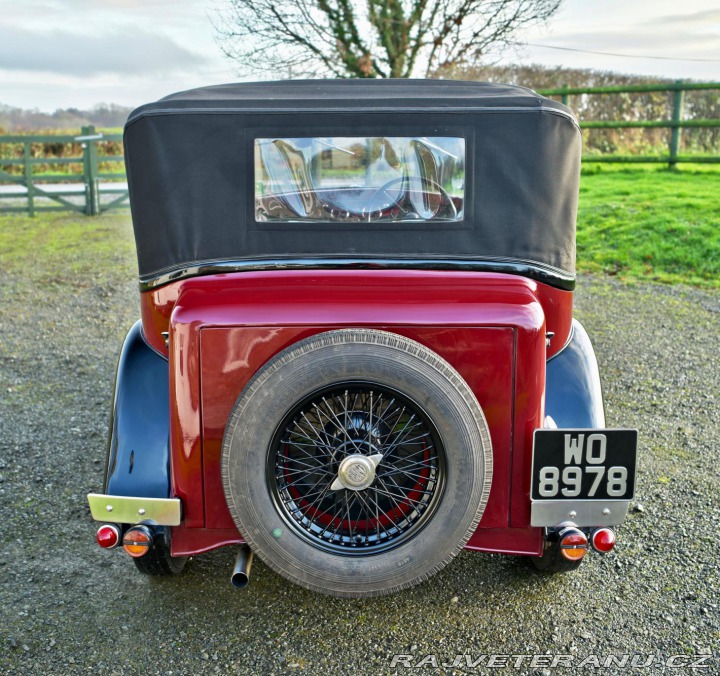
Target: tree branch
{"x":369,"y":38}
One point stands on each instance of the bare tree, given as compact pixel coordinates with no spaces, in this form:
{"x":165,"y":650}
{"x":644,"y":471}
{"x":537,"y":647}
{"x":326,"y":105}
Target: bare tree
{"x":369,"y":38}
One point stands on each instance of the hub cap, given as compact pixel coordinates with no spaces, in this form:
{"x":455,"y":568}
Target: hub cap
{"x":356,"y":472}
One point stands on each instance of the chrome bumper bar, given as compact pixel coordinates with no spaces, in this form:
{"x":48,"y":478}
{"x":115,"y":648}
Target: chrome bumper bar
{"x":579,"y":512}
{"x":122,"y":509}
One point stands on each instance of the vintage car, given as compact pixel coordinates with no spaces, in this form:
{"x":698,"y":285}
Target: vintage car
{"x":357,"y":354}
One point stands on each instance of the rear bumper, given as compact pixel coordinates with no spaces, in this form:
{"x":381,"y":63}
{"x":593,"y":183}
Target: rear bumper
{"x":579,"y":512}
{"x":122,"y":509}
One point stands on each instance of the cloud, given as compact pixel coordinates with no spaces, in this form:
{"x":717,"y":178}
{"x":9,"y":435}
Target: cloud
{"x":639,"y":42}
{"x":675,"y":37}
{"x":705,"y":19}
{"x":123,"y":50}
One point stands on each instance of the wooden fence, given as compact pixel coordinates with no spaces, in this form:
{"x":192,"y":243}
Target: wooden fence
{"x":92,"y":191}
{"x":676,"y":123}
{"x":85,"y":188}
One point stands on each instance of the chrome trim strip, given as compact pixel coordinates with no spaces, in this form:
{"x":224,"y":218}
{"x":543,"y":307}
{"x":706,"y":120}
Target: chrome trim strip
{"x":123,"y":509}
{"x":579,"y":512}
{"x":540,"y":272}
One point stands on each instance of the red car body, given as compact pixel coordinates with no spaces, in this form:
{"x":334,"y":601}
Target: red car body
{"x":224,"y":327}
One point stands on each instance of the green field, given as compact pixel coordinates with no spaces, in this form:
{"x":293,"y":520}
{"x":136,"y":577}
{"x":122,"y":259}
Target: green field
{"x":639,"y":225}
{"x":652,"y":225}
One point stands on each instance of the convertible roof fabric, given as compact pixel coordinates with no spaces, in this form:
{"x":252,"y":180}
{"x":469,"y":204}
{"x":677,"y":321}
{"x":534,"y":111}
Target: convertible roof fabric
{"x":189,"y":161}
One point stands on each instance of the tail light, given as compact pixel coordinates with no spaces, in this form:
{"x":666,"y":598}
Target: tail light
{"x":137,"y":541}
{"x":573,"y":544}
{"x":603,"y":539}
{"x":108,"y":536}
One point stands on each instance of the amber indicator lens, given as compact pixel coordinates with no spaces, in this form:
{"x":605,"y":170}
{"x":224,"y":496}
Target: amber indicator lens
{"x":573,"y":544}
{"x":137,"y":541}
{"x":108,"y":536}
{"x":603,"y":539}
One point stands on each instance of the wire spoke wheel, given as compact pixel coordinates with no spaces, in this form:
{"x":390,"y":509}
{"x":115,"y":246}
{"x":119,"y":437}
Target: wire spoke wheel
{"x":356,"y":469}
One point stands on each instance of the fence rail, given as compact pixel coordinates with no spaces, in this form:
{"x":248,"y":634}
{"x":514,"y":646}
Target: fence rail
{"x":92,"y":191}
{"x":675,"y":124}
{"x":88,"y":190}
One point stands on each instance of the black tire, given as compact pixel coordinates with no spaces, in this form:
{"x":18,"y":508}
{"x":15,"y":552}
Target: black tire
{"x":424,"y":526}
{"x":552,"y":561}
{"x":158,"y":562}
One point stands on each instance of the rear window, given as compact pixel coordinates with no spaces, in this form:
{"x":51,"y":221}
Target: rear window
{"x":359,"y":179}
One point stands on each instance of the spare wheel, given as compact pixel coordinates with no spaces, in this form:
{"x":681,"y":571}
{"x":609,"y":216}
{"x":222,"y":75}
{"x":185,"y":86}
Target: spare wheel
{"x":357,"y":463}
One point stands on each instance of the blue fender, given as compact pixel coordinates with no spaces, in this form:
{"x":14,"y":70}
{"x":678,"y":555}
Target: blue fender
{"x":573,"y":396}
{"x":138,"y":456}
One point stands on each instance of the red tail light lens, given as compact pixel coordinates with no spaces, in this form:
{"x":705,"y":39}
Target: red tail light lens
{"x":573,"y":544}
{"x":108,"y":536}
{"x":603,"y":539}
{"x":137,"y":541}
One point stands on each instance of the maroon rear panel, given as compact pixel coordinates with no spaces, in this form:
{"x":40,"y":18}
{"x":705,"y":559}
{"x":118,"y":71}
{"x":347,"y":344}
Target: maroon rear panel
{"x":230,"y":356}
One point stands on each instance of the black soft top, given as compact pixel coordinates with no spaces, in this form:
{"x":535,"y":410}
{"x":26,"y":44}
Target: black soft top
{"x":360,"y":94}
{"x":189,"y":161}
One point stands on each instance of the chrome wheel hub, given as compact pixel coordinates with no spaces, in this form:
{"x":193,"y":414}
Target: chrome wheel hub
{"x":356,"y":472}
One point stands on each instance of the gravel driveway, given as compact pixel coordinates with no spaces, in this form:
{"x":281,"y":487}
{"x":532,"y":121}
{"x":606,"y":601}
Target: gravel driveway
{"x":68,"y":607}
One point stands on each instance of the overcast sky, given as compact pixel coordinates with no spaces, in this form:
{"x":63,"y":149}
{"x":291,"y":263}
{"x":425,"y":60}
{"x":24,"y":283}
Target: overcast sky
{"x":76,"y":53}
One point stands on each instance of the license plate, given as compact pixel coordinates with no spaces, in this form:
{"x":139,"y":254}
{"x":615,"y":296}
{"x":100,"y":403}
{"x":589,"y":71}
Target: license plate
{"x":584,"y":464}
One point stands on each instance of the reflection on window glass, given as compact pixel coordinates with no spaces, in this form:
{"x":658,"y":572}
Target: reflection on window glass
{"x":359,"y":179}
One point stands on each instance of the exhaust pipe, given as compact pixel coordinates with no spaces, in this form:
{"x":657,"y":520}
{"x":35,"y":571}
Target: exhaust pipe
{"x":240,"y":577}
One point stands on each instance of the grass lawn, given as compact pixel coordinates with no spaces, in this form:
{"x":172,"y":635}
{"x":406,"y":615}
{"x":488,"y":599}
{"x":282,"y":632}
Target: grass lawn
{"x":652,"y":225}
{"x":67,"y":248}
{"x":641,"y":225}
